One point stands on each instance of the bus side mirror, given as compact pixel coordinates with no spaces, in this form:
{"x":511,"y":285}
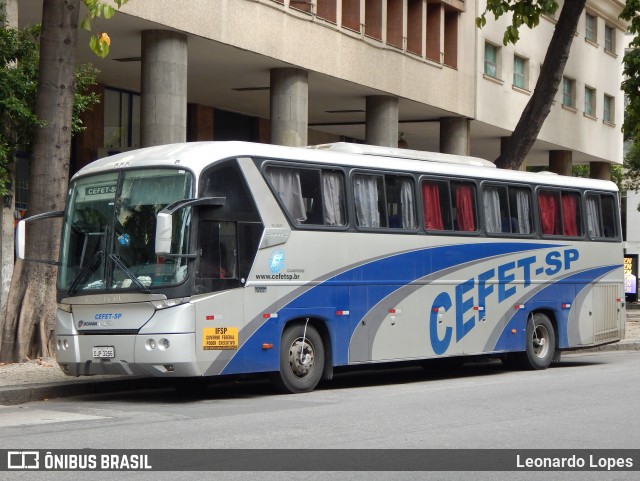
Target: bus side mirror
{"x":20,"y":233}
{"x":164,"y":220}
{"x":163,"y":233}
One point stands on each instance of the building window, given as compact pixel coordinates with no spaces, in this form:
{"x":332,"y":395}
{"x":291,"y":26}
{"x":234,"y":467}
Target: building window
{"x":608,"y":114}
{"x":590,"y":101}
{"x":609,"y":39}
{"x":491,"y":60}
{"x":302,"y":5}
{"x":121,"y":119}
{"x":520,"y":72}
{"x":591,"y":28}
{"x":568,"y":92}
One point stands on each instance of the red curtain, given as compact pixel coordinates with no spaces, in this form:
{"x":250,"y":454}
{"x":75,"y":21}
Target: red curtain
{"x":548,"y":208}
{"x":464,"y":208}
{"x":570,"y":214}
{"x":431,"y":206}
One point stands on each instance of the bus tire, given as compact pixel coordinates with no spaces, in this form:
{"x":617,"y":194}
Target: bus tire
{"x":541,"y":343}
{"x":301,"y":360}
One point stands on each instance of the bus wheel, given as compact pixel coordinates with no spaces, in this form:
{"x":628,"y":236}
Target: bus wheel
{"x":541,"y":343}
{"x":301,"y":359}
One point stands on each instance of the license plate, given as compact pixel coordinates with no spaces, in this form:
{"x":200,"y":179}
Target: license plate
{"x":104,"y":352}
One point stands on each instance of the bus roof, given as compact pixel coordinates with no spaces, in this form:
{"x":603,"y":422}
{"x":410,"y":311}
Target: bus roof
{"x":196,"y":156}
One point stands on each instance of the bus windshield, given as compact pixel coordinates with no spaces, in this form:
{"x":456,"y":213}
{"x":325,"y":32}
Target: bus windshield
{"x":109,"y":231}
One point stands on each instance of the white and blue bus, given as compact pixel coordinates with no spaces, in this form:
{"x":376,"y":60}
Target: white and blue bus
{"x":222,"y":258}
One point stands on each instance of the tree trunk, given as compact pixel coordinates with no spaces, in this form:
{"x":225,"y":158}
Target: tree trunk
{"x":30,"y":315}
{"x":518,"y":145}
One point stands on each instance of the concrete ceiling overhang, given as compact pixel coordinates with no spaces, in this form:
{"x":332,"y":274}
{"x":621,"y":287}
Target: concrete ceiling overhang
{"x":230,"y":78}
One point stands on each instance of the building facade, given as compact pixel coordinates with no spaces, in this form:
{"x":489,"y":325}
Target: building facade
{"x":414,"y":73}
{"x":300,"y":72}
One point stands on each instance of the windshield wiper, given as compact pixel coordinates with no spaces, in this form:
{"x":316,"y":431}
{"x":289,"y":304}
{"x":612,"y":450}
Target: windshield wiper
{"x":89,"y":268}
{"x":129,"y":274}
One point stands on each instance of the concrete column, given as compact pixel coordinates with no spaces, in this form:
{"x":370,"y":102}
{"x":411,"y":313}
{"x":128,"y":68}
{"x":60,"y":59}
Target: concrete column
{"x":600,"y":170}
{"x":382,"y":120}
{"x":164,"y":88}
{"x":560,"y":162}
{"x":454,"y":135}
{"x":289,"y":106}
{"x":10,"y":9}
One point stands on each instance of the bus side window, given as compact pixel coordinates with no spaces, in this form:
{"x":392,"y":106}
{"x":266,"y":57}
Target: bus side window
{"x":609,"y":216}
{"x":520,"y":210}
{"x":507,"y":210}
{"x":601,"y":216}
{"x":464,"y":205}
{"x":560,"y":213}
{"x":228,"y":235}
{"x":368,"y":193}
{"x":400,"y":202}
{"x":436,"y":205}
{"x":219,"y":250}
{"x":333,"y":198}
{"x":288,"y":187}
{"x":310,"y":196}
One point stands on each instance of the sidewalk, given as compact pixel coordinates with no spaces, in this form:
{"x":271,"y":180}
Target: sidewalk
{"x":42,"y":379}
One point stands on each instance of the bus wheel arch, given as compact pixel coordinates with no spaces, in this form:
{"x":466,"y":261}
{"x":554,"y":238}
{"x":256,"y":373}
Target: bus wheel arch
{"x":540,"y":341}
{"x":304,"y":354}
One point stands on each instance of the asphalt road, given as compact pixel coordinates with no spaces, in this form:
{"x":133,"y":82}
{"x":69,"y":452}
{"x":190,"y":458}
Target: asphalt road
{"x":589,"y":401}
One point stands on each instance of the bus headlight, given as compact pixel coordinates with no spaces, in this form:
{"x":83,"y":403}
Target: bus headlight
{"x":150,"y":345}
{"x":65,"y":307}
{"x":166,"y":303}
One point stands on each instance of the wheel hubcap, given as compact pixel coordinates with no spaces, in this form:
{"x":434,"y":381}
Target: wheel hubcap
{"x":540,"y":341}
{"x":301,"y":357}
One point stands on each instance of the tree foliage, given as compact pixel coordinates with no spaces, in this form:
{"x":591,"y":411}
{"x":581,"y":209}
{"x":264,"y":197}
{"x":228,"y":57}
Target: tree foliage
{"x":100,"y":41}
{"x":19,"y":57}
{"x":631,"y":89}
{"x":632,"y":167}
{"x":18,"y":83}
{"x":27,"y":325}
{"x":617,"y":174}
{"x":523,"y":12}
{"x":528,"y":12}
{"x":631,"y":71}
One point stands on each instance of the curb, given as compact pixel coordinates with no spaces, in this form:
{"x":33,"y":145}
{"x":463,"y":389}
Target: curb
{"x":24,"y":393}
{"x":631,"y":345}
{"x":20,"y":394}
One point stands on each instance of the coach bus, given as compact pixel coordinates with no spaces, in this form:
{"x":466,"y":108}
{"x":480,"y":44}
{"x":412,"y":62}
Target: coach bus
{"x":221,"y":258}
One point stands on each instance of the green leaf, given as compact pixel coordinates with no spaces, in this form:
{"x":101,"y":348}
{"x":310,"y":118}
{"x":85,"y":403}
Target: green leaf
{"x":108,"y":11}
{"x":85,"y":23}
{"x":101,"y":49}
